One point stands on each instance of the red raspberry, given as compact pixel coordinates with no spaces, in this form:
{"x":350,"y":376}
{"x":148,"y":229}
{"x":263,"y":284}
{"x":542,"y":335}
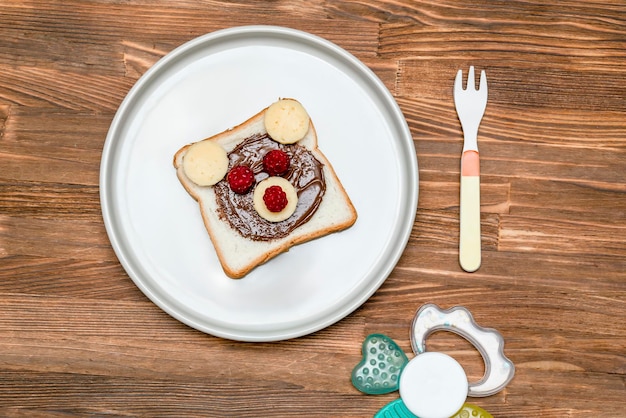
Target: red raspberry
{"x":240,"y":179}
{"x":275,"y":198}
{"x":276,"y":162}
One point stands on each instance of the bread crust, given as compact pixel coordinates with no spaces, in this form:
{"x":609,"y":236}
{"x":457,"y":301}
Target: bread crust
{"x":225,"y":239}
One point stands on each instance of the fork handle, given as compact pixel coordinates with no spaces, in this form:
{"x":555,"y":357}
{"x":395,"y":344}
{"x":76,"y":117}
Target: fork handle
{"x":469,"y":243}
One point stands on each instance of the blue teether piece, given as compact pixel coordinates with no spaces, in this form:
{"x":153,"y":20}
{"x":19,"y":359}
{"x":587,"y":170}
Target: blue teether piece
{"x":379,"y":370}
{"x":394,"y":409}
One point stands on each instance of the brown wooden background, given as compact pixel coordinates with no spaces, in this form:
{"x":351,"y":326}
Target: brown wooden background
{"x":77,"y":338}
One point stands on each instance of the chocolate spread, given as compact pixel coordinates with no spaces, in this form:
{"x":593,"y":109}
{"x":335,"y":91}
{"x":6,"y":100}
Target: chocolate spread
{"x":305,"y":174}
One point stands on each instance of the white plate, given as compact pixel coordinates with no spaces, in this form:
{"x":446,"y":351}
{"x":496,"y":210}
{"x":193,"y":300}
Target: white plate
{"x":215,"y":82}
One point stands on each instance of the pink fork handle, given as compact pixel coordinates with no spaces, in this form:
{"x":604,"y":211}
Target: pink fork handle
{"x":469,"y":243}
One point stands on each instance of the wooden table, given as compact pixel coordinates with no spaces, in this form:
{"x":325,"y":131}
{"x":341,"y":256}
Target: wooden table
{"x":78,"y":338}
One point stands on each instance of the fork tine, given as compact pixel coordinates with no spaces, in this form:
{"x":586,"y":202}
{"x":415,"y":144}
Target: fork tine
{"x":471,"y":81}
{"x":483,"y":82}
{"x":458,"y":81}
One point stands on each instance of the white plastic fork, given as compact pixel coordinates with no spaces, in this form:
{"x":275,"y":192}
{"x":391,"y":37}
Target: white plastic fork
{"x":470,"y":107}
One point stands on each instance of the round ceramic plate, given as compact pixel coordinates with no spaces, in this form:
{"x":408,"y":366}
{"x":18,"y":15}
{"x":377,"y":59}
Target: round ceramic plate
{"x":215,"y":82}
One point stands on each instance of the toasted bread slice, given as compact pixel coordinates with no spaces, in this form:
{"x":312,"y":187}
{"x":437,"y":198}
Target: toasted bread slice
{"x":238,"y":254}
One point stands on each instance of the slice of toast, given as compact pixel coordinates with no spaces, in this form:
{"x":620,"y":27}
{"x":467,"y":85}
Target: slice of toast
{"x":238,"y":254}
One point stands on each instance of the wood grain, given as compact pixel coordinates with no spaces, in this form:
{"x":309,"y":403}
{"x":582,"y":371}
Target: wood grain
{"x":78,"y":338}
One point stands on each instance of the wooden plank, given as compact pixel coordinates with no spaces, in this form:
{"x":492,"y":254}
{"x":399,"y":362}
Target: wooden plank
{"x":503,"y":270}
{"x":45,"y":87}
{"x":86,"y":28}
{"x":61,"y":277}
{"x":52,"y":201}
{"x":54,"y":237}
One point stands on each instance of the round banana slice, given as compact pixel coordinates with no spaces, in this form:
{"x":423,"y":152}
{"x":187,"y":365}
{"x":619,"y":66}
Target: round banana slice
{"x":286,"y":121}
{"x":259,"y":204}
{"x":205,"y":163}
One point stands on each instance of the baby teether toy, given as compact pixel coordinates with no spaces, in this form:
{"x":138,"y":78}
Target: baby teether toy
{"x":396,"y":409}
{"x":432,"y":385}
{"x":379,"y":371}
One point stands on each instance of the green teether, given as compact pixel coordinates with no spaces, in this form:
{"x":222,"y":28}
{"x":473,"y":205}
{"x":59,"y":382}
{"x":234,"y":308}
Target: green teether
{"x":397,"y":409}
{"x":379,"y":370}
{"x":394,"y":409}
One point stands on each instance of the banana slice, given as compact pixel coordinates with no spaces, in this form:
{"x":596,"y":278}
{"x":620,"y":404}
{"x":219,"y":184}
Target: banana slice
{"x":286,"y":121}
{"x":259,"y":204}
{"x":205,"y":163}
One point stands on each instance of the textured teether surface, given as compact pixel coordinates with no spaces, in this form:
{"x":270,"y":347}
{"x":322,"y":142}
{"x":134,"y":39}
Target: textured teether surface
{"x":379,"y":370}
{"x":472,"y":411}
{"x":394,"y":409}
{"x":397,"y":409}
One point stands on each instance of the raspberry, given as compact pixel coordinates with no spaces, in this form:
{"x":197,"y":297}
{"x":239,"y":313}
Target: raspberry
{"x":276,"y":162}
{"x":275,"y":198}
{"x":240,"y":179}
